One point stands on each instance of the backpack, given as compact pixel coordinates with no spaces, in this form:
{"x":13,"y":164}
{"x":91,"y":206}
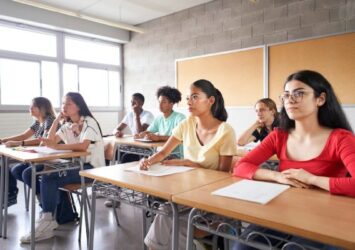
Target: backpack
{"x":65,"y":209}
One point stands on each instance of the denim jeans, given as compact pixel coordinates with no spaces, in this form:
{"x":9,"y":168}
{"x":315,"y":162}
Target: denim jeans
{"x":299,"y":240}
{"x":12,"y":184}
{"x":23,"y":172}
{"x":51,"y":183}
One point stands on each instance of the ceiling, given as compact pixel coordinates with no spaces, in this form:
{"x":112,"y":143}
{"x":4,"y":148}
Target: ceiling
{"x":131,"y":12}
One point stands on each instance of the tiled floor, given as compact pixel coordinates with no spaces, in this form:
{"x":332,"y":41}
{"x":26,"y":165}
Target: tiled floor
{"x":107,"y":235}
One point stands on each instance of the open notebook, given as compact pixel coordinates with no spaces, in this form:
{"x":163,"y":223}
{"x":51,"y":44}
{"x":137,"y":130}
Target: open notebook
{"x":45,"y":150}
{"x":255,"y":191}
{"x":159,"y":170}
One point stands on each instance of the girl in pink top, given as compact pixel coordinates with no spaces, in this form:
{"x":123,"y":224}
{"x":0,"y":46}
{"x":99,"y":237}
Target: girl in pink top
{"x":315,"y":143}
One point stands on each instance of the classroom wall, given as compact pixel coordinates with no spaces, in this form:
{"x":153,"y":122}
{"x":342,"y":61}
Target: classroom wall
{"x":226,"y":25}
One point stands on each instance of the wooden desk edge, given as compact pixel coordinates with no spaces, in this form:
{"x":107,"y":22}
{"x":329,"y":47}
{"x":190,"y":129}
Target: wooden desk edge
{"x":86,"y":174}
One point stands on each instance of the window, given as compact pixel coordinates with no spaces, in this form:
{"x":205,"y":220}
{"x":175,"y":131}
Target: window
{"x":25,"y":41}
{"x":86,"y":80}
{"x":50,"y":82}
{"x":33,"y":68}
{"x":19,"y":81}
{"x":91,"y":51}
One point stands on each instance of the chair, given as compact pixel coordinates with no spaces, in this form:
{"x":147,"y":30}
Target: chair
{"x":76,"y":189}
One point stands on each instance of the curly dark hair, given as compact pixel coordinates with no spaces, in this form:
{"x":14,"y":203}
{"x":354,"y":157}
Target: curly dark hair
{"x":172,"y":94}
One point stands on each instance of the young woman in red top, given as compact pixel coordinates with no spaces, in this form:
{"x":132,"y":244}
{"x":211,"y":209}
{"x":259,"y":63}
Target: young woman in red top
{"x":315,"y":143}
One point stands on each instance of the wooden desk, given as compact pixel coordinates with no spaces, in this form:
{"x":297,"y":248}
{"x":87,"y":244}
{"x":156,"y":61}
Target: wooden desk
{"x":33,"y":159}
{"x":163,"y":187}
{"x":309,"y":213}
{"x":129,"y":141}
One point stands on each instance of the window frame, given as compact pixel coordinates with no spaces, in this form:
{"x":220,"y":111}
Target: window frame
{"x":60,"y":60}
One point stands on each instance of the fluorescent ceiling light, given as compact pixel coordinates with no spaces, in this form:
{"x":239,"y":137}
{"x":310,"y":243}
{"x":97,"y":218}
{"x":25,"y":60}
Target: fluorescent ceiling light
{"x":79,"y":15}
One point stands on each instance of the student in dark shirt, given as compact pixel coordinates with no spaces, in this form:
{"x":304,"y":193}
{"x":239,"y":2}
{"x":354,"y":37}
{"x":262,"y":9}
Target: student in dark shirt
{"x":267,"y":120}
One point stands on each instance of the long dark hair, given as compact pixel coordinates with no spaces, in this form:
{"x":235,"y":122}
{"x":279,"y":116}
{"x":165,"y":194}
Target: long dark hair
{"x":330,"y":114}
{"x":218,"y":110}
{"x":44,"y":106}
{"x":78,"y":99}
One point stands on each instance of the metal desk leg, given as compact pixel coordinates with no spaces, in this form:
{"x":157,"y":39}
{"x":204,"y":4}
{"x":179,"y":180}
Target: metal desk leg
{"x":83,"y":200}
{"x":144,"y":227}
{"x":92,"y":219}
{"x":115,"y":153}
{"x":175,"y":241}
{"x":6,"y":195}
{"x":190,"y":230}
{"x":118,"y":152}
{"x":33,"y":206}
{"x":2,"y":187}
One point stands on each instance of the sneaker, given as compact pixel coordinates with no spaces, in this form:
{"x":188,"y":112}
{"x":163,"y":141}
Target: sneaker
{"x":44,"y":229}
{"x":109,"y":203}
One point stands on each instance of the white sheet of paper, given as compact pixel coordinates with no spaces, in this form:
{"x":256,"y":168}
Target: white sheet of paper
{"x":47,"y":150}
{"x":159,"y":170}
{"x":255,"y":191}
{"x":142,"y":140}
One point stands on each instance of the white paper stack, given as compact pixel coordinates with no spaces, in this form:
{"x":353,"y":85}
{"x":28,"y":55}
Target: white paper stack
{"x":47,"y":150}
{"x":255,"y":191}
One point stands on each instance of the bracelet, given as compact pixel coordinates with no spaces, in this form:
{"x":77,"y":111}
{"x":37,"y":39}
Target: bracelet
{"x":23,"y":143}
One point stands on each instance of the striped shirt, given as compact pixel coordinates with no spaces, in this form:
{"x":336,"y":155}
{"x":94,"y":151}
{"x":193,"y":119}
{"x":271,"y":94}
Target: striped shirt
{"x":39,"y":128}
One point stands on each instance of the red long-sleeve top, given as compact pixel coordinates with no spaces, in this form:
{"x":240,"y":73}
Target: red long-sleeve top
{"x":335,"y":161}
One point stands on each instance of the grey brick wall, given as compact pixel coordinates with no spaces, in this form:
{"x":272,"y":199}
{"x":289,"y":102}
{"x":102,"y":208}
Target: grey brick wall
{"x":224,"y":25}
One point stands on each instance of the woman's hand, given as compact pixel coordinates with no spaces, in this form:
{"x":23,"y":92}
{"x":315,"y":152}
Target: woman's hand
{"x":10,"y":144}
{"x":49,"y":143}
{"x":152,"y":137}
{"x":140,"y":135}
{"x":284,"y":179}
{"x":118,"y":134}
{"x":300,"y":175}
{"x":144,"y":164}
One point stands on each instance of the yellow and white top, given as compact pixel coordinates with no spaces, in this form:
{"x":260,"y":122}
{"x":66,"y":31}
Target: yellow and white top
{"x":222,"y":144}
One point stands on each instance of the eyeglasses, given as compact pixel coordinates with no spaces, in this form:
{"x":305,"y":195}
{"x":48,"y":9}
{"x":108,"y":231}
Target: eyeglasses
{"x":296,"y":96}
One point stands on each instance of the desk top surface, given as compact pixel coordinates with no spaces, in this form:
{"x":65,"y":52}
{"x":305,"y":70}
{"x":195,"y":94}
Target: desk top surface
{"x":310,"y":213}
{"x":163,"y":186}
{"x":36,"y":157}
{"x":129,"y":140}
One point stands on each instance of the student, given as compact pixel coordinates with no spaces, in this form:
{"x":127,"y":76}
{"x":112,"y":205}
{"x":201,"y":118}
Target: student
{"x":42,"y":111}
{"x":163,"y":125}
{"x":137,"y":121}
{"x":208,"y":142}
{"x":267,"y":120}
{"x":79,"y":132}
{"x":315,"y":143}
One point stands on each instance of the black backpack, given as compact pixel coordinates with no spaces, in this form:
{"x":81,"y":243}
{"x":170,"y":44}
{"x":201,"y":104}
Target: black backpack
{"x":65,"y":209}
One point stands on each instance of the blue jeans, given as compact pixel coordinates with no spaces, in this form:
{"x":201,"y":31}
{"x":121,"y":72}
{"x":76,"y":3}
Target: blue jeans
{"x":259,"y":239}
{"x":23,"y":172}
{"x":51,"y":183}
{"x":12,"y":184}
